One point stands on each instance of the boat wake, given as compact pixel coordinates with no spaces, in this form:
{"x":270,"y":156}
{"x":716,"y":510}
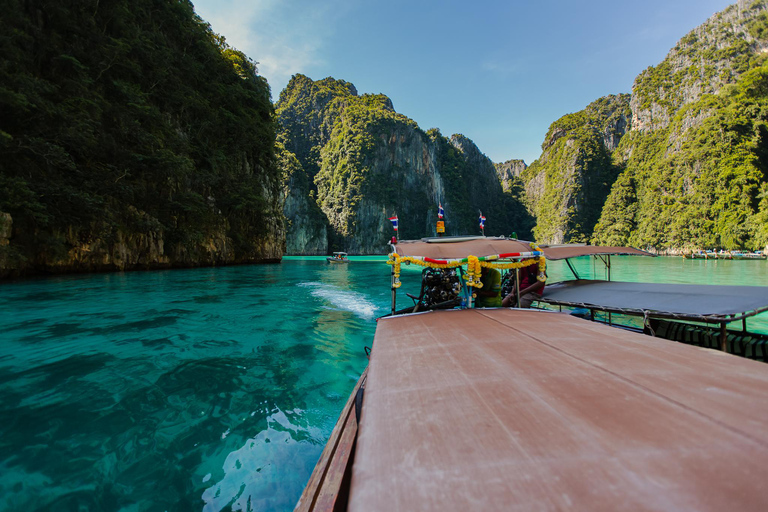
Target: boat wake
{"x":353,"y":302}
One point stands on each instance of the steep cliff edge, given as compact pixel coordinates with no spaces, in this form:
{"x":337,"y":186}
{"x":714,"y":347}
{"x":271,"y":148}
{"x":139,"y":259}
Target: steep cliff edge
{"x":132,"y":137}
{"x":361,"y":162}
{"x":509,"y":173}
{"x":695,"y":162}
{"x":566,"y":187}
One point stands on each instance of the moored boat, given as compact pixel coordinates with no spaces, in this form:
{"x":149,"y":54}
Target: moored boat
{"x":338,"y":257}
{"x":477,"y":409}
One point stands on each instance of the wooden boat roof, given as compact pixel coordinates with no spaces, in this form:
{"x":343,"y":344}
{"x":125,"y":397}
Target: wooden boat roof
{"x":453,"y":248}
{"x":501,"y":409}
{"x":561,"y":252}
{"x":691,"y":300}
{"x":461,"y":247}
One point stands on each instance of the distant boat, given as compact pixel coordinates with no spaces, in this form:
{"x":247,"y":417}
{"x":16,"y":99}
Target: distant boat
{"x":338,"y":257}
{"x":758,"y":255}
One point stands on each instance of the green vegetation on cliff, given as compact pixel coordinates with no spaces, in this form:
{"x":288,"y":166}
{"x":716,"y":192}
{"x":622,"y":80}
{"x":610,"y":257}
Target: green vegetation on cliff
{"x":348,"y":171}
{"x":697,"y":185}
{"x":696,"y":161}
{"x":567,"y":186}
{"x":363,"y":162}
{"x":708,"y":57}
{"x":122,"y":119}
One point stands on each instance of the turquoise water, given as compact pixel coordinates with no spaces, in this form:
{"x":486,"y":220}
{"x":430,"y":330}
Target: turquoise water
{"x":205,"y":389}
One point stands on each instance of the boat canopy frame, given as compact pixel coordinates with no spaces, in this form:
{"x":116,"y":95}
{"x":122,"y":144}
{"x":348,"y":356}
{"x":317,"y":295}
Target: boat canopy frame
{"x":481,"y":251}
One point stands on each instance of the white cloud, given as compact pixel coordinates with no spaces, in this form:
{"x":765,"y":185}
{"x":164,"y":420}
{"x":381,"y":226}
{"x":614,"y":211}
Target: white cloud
{"x":284,"y":36}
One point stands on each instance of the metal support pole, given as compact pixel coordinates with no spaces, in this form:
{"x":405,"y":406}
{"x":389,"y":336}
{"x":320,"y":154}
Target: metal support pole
{"x":394,"y":291}
{"x":744,"y":324}
{"x":572,"y":269}
{"x":723,"y":337}
{"x":517,"y":286}
{"x":608,"y":264}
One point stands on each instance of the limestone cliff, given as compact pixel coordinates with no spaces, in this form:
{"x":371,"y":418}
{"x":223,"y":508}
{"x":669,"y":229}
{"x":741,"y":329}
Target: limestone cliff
{"x":695,"y":162}
{"x":566,"y":187}
{"x":131,"y":137}
{"x":306,"y":226}
{"x":509,"y":172}
{"x":707,"y":58}
{"x":361,"y":162}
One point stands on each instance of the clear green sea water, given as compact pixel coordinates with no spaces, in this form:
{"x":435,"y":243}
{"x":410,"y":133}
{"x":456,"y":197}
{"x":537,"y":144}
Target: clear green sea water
{"x":205,"y":389}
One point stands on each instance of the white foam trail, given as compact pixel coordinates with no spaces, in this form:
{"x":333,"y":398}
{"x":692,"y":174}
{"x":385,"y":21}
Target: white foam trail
{"x":343,"y":299}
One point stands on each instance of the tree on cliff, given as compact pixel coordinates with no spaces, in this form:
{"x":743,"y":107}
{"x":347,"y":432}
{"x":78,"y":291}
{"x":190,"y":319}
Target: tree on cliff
{"x":567,"y":186}
{"x":696,"y":160}
{"x":362,"y":161}
{"x":122,"y":118}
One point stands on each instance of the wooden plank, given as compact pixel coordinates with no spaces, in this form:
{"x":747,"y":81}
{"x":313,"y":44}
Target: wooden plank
{"x":325,"y":481}
{"x":329,"y":491}
{"x":527,"y":410}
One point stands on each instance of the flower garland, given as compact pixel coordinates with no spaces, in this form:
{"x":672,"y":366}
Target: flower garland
{"x":474,"y":265}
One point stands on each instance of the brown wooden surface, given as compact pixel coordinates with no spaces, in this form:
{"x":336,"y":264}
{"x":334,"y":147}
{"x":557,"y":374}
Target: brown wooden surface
{"x":456,"y":250}
{"x":491,"y":246}
{"x":323,"y":486}
{"x":530,"y":410}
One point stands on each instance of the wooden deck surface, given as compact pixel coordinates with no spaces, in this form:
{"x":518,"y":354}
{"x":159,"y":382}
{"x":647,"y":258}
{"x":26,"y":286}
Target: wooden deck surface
{"x":530,"y":410}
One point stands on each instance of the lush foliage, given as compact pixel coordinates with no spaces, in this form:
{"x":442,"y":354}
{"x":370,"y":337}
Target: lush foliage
{"x":130,"y":117}
{"x":364,"y":162}
{"x":472,"y":186}
{"x":708,"y":57}
{"x":695,"y":165}
{"x":697,"y":184}
{"x":568,"y":185}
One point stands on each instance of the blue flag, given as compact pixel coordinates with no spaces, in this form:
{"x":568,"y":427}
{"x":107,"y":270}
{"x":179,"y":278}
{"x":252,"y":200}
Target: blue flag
{"x":394,"y":222}
{"x":482,"y":221}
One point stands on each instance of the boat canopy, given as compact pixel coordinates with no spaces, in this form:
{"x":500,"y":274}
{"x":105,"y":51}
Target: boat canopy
{"x":536,"y":410}
{"x":692,"y":301}
{"x":460,"y":247}
{"x":451,"y":248}
{"x":561,"y":252}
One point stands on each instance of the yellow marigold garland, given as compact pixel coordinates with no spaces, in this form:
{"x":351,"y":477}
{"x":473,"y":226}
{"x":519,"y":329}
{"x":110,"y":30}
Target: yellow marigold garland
{"x":474,"y":266}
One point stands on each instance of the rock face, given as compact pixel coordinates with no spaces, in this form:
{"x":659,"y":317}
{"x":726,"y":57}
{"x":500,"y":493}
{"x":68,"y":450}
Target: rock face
{"x":145,"y":142}
{"x":508,"y":172}
{"x":706,"y":59}
{"x":694,"y":162}
{"x":306,"y":225}
{"x":6,"y":227}
{"x":567,"y":186}
{"x":358,"y":162}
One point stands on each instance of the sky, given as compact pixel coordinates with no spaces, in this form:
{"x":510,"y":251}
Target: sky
{"x":498,"y":72}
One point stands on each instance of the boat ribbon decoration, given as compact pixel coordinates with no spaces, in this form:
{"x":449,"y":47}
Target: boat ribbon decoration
{"x":474,"y":264}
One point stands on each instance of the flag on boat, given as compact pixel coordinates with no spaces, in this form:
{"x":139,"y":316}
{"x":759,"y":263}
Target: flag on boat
{"x":394,"y":222}
{"x":482,"y":221}
{"x":440,"y":212}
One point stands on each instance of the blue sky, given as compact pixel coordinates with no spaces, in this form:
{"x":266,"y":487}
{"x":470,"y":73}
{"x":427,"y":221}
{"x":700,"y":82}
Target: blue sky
{"x":498,"y":72}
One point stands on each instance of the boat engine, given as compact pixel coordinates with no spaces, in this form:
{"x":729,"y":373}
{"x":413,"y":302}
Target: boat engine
{"x":440,"y":286}
{"x":508,"y":283}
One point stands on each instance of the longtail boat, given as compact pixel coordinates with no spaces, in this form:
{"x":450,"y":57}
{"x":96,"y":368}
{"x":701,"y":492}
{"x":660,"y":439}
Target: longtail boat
{"x":463,"y":408}
{"x":338,"y":257}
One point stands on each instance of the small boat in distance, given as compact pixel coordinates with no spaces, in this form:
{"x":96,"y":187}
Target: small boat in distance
{"x":338,"y":257}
